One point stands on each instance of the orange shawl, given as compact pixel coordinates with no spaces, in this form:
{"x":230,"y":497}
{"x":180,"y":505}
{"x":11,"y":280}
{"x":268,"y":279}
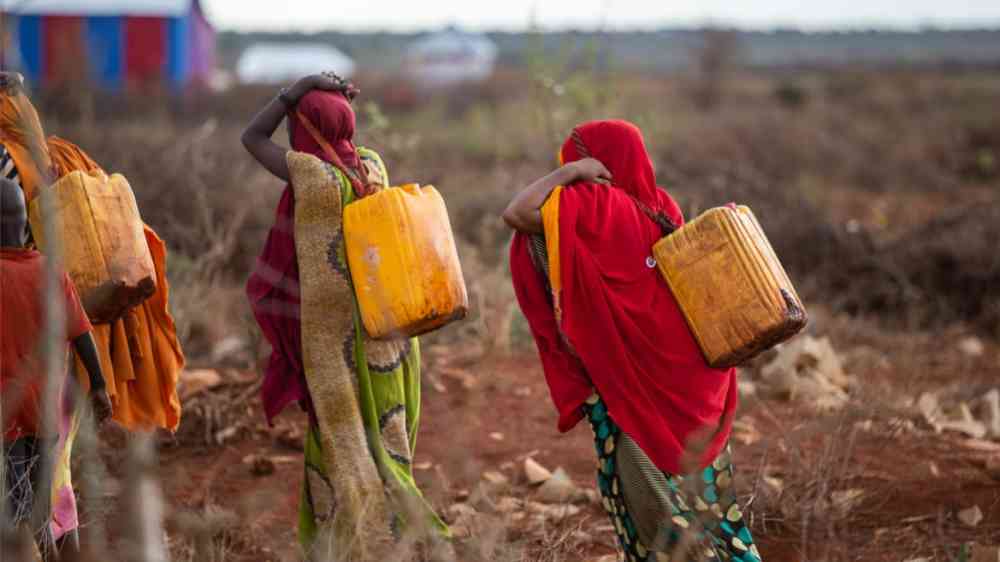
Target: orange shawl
{"x":140,"y":354}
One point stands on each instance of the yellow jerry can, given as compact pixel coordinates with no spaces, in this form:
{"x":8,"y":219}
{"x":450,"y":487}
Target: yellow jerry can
{"x":733,"y":291}
{"x":104,"y":247}
{"x":403,"y":262}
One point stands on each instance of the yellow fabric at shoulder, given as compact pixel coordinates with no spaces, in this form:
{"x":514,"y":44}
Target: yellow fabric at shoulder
{"x":550,"y":221}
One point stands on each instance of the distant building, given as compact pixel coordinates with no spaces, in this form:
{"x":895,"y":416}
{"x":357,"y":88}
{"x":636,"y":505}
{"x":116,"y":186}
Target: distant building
{"x":450,"y":57}
{"x":278,"y":63}
{"x":112,"y":44}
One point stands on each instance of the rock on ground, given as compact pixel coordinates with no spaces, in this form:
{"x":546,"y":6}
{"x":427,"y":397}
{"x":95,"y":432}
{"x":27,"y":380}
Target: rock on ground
{"x":806,"y":369}
{"x":534,"y":472}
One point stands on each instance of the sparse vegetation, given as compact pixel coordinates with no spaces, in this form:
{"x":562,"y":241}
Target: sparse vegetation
{"x":879,"y":192}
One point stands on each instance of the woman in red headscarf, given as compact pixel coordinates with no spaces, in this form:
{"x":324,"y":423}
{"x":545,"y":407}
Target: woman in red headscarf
{"x":362,"y":396}
{"x":616,"y":349}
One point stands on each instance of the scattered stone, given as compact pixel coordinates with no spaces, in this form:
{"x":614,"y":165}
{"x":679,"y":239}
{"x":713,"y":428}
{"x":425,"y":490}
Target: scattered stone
{"x":806,"y":369}
{"x":230,"y":348}
{"x":971,"y":517}
{"x":534,"y":472}
{"x":496,"y":436}
{"x":981,"y":445}
{"x":466,"y":378}
{"x":974,"y":429}
{"x":557,"y":489}
{"x":226,"y":434}
{"x":196,"y":381}
{"x":929,"y":407}
{"x":495,"y":478}
{"x":463,"y":519}
{"x":971,"y":346}
{"x":967,"y":424}
{"x":522,"y":391}
{"x":458,"y":510}
{"x":745,"y":433}
{"x":846,"y":501}
{"x":993,"y":466}
{"x":991,"y":413}
{"x":962,"y":421}
{"x":776,"y":485}
{"x":902,"y":425}
{"x":984,"y":553}
{"x":588,"y":495}
{"x":866,"y":425}
{"x":552,"y":512}
{"x":423,"y":465}
{"x":260,"y":465}
{"x":290,"y":438}
{"x":934,"y":470}
{"x":866,"y":358}
{"x":508,"y":504}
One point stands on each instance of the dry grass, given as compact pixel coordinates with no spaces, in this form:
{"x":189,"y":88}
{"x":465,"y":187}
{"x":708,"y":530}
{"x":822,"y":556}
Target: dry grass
{"x":848,"y":168}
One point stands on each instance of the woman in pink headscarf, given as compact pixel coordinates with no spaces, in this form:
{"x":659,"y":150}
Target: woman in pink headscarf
{"x":386,"y":375}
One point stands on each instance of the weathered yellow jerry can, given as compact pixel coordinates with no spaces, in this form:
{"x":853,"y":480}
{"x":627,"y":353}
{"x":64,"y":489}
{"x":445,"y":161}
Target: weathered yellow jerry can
{"x":104,"y":247}
{"x":731,"y":287}
{"x":403,"y":261}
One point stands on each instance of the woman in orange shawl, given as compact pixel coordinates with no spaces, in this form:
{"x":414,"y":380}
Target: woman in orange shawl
{"x":140,"y":354}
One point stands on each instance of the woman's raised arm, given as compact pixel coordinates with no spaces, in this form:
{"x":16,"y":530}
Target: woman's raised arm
{"x":257,"y":136}
{"x":524,"y":213}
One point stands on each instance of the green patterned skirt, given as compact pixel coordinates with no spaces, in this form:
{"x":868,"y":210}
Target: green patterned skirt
{"x":655,"y":513}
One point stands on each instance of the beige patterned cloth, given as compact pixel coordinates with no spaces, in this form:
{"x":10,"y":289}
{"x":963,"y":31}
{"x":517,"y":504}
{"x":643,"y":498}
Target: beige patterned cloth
{"x":359,"y":528}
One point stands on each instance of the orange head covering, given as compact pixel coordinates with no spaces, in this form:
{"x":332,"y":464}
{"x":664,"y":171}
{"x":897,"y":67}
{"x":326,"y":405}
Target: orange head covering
{"x":21,"y":134}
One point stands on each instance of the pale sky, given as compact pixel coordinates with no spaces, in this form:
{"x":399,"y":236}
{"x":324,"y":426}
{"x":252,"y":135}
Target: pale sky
{"x":516,"y":14}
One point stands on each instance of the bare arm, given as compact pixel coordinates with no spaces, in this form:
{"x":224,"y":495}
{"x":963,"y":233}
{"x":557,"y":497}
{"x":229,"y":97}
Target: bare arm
{"x":257,"y":136}
{"x":86,"y":350}
{"x":524,"y":213}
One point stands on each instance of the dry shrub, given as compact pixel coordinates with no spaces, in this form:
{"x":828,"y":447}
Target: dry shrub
{"x":903,"y":137}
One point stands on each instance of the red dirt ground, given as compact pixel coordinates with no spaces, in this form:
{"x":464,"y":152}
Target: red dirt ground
{"x":490,"y":414}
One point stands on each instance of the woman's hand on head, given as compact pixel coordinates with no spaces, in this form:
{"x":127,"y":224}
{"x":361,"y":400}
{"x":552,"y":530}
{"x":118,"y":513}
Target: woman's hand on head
{"x":11,"y":82}
{"x":589,"y":170}
{"x":327,"y":81}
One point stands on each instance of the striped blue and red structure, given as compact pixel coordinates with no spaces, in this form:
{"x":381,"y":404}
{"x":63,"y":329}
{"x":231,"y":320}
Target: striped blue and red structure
{"x":116,"y":52}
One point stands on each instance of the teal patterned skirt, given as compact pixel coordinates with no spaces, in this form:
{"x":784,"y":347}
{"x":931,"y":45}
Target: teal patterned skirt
{"x":698,"y":513}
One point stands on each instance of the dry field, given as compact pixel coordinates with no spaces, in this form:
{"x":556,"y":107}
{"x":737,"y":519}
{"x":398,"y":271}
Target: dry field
{"x":878,"y":188}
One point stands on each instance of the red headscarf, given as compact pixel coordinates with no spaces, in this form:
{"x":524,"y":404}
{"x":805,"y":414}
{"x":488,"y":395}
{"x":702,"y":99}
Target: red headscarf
{"x":332,"y":116}
{"x":273,"y":287}
{"x":629,"y":338}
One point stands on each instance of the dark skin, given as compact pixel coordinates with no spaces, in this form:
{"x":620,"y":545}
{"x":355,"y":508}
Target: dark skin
{"x":11,"y":82}
{"x":257,"y":136}
{"x":13,"y":229}
{"x":524,"y":213}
